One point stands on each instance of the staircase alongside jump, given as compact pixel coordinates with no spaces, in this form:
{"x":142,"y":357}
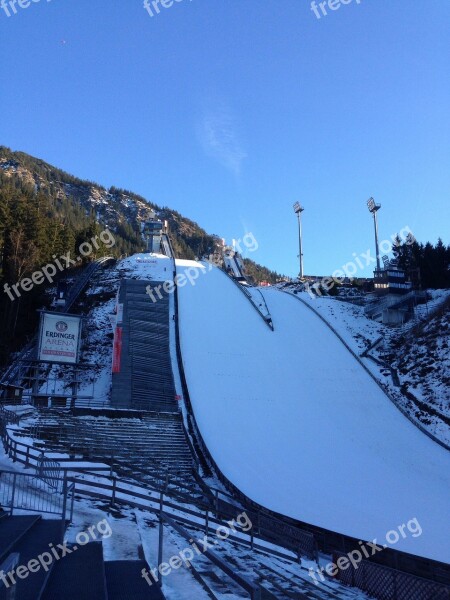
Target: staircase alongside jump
{"x":145,"y":381}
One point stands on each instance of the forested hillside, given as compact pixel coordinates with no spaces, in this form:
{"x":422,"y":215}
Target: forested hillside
{"x":46,"y":213}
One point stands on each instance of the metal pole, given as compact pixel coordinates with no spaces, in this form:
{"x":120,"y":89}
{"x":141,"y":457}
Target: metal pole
{"x":72,"y":502}
{"x":13,"y":493}
{"x":64,"y":508}
{"x":161,"y":533}
{"x":299,"y":214}
{"x":375,"y":222}
{"x":161,"y":525}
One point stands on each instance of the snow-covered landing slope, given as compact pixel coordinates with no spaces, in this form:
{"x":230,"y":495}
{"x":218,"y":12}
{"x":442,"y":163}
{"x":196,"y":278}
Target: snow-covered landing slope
{"x":295,"y":422}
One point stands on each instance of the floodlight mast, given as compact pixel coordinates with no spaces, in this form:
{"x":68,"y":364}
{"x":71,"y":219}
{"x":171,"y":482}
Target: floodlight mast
{"x":374,"y":208}
{"x":298,"y":209}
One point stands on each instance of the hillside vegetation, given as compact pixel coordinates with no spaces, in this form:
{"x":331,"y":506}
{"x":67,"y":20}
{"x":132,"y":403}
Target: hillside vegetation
{"x":46,"y":213}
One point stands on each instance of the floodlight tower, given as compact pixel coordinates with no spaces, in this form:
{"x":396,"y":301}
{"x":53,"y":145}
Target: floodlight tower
{"x":374,"y":208}
{"x":298,"y":209}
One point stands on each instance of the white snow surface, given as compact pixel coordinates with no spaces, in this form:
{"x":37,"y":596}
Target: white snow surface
{"x":297,"y":424}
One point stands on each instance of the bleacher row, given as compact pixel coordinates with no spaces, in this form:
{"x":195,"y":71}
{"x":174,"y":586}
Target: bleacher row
{"x":153,"y":444}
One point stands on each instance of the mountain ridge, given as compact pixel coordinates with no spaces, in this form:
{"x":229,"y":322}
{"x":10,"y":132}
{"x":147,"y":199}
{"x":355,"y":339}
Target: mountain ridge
{"x":46,"y":212}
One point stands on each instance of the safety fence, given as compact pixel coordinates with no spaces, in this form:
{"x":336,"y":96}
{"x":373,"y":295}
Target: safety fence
{"x":385,"y":583}
{"x":26,"y":492}
{"x":9,"y":417}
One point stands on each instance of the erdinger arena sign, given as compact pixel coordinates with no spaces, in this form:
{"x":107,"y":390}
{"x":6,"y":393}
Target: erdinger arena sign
{"x":59,"y":338}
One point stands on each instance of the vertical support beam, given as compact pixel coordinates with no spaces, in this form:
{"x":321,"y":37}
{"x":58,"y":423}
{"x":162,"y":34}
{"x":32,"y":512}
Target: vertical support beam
{"x":377,"y":248}
{"x":13,"y":493}
{"x":64,"y":508}
{"x":298,"y":209}
{"x":72,"y":502}
{"x":161,"y":533}
{"x":300,"y":242}
{"x":113,"y":495}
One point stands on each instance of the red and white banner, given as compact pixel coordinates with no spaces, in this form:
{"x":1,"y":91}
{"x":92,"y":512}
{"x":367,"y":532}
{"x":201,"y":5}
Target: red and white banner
{"x":117,"y":350}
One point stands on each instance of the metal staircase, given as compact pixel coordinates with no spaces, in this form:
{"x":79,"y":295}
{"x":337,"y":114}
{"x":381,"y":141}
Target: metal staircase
{"x":145,"y":381}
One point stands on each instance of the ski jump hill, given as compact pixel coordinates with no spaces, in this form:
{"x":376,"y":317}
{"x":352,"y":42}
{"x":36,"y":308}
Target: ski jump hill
{"x":294,"y":421}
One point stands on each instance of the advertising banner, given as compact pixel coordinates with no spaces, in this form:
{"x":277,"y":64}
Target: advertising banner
{"x":117,"y":350}
{"x":59,"y":339}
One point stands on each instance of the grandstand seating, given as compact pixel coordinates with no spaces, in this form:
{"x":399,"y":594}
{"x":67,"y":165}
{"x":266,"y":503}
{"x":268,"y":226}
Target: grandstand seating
{"x":151,"y":444}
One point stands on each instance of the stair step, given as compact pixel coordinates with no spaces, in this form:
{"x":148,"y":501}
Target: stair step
{"x":125,"y":582}
{"x":33,"y":544}
{"x":12,"y":530}
{"x":79,"y":575}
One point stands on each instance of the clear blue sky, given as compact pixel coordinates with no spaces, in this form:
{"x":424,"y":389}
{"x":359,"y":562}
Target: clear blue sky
{"x":229,"y":111}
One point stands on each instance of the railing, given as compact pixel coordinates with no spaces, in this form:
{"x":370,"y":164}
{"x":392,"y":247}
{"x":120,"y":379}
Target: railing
{"x":25,"y":492}
{"x":8,"y":416}
{"x":201,"y":516}
{"x":253,"y":590}
{"x":33,"y":458}
{"x":83,"y":280}
{"x":392,"y":302}
{"x":49,"y":471}
{"x":384,"y":582}
{"x":10,"y":375}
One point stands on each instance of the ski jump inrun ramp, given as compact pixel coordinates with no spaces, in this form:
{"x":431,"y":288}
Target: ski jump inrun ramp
{"x":295,"y":422}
